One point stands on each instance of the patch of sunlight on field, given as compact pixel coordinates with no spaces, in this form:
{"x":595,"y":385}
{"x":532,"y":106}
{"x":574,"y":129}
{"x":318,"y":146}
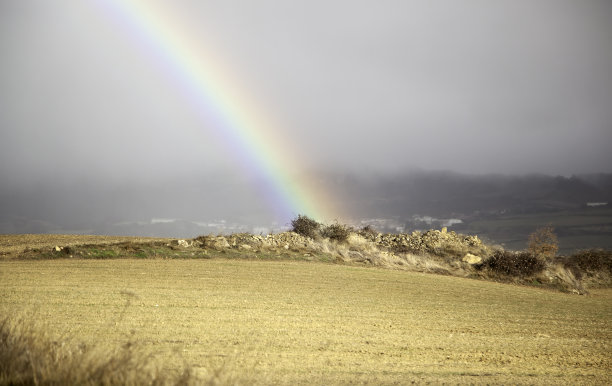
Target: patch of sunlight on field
{"x":287,"y":322}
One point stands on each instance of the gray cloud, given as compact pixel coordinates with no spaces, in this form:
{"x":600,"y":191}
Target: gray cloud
{"x":472,"y":86}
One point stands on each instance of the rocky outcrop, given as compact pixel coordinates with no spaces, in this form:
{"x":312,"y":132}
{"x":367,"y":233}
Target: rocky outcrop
{"x":212,"y":242}
{"x":434,"y":242}
{"x":284,"y":240}
{"x":472,"y":259}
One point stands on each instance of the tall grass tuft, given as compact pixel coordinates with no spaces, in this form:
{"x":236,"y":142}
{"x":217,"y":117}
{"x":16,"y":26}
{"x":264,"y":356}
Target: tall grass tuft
{"x":30,"y":356}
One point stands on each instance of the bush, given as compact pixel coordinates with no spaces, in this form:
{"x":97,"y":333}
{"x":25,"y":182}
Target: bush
{"x":306,"y":226}
{"x":337,"y":232}
{"x":517,"y":264}
{"x":368,"y":232}
{"x":591,"y":260}
{"x":543,"y":243}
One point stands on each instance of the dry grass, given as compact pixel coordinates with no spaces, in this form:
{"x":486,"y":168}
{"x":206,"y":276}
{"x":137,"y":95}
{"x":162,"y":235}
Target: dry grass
{"x":12,"y":244}
{"x":273,"y":322}
{"x":436,"y":252}
{"x":433,"y":256}
{"x":29,"y":355}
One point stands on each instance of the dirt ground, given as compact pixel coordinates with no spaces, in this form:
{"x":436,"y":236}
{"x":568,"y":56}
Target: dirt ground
{"x":288,"y":322}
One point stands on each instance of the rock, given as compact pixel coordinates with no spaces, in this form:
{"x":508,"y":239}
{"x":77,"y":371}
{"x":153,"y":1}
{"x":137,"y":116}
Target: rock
{"x":65,"y":250}
{"x":245,"y":246}
{"x":183,"y":243}
{"x":218,"y":242}
{"x":472,"y":241}
{"x":472,"y":259}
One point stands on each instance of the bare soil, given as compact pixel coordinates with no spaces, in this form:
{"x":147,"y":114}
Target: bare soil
{"x":289,"y":322}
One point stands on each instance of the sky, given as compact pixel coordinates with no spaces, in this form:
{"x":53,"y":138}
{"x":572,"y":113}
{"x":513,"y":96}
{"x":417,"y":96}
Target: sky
{"x":117,"y":91}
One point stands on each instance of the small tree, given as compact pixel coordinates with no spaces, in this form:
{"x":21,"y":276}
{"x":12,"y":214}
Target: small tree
{"x":543,"y":243}
{"x":306,"y":226}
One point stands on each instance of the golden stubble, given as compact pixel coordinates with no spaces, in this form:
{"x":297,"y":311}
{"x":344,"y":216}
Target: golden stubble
{"x":301,"y":322}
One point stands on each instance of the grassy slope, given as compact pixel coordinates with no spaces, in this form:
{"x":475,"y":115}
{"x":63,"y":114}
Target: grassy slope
{"x":286,"y":322}
{"x":15,"y":244}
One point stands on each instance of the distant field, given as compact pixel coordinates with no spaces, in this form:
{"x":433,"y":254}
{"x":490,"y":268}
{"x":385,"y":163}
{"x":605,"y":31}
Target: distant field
{"x":283,"y":322}
{"x":11,"y":244}
{"x":577,"y":229}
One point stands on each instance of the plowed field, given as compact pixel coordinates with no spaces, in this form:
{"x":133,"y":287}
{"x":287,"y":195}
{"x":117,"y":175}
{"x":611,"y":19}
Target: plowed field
{"x":272,"y":322}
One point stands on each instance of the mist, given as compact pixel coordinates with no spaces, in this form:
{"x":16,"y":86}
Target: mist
{"x":97,"y":126}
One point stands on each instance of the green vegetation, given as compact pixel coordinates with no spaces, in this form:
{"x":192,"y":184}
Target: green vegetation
{"x":96,"y":253}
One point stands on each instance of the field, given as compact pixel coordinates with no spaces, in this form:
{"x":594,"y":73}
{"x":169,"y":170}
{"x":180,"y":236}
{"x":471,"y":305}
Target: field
{"x":291,"y":322}
{"x":577,"y":229}
{"x":14,"y":244}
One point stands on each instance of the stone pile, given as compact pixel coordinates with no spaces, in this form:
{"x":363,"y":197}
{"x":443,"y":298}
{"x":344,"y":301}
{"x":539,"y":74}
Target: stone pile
{"x":433,"y":241}
{"x":436,"y":242}
{"x":284,"y":240}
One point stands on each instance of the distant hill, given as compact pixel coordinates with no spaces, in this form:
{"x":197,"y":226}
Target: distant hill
{"x":502,"y":208}
{"x":446,"y":194}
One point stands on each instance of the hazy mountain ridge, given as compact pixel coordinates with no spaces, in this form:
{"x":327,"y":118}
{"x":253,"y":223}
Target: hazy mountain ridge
{"x":447,"y":194}
{"x":502,"y":209}
{"x":224,"y":203}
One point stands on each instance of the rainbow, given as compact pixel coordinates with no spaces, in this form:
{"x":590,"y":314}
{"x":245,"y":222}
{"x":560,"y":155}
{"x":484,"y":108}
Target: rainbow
{"x":248,"y":136}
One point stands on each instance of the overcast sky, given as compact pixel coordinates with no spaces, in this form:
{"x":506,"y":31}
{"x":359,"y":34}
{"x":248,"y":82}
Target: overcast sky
{"x":471,"y":86}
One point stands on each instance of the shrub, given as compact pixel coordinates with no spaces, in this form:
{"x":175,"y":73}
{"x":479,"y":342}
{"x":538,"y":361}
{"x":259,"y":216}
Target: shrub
{"x":517,"y":264}
{"x":591,"y":260}
{"x":337,"y":232}
{"x":543,"y":243}
{"x":306,"y":226}
{"x":368,"y":232}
